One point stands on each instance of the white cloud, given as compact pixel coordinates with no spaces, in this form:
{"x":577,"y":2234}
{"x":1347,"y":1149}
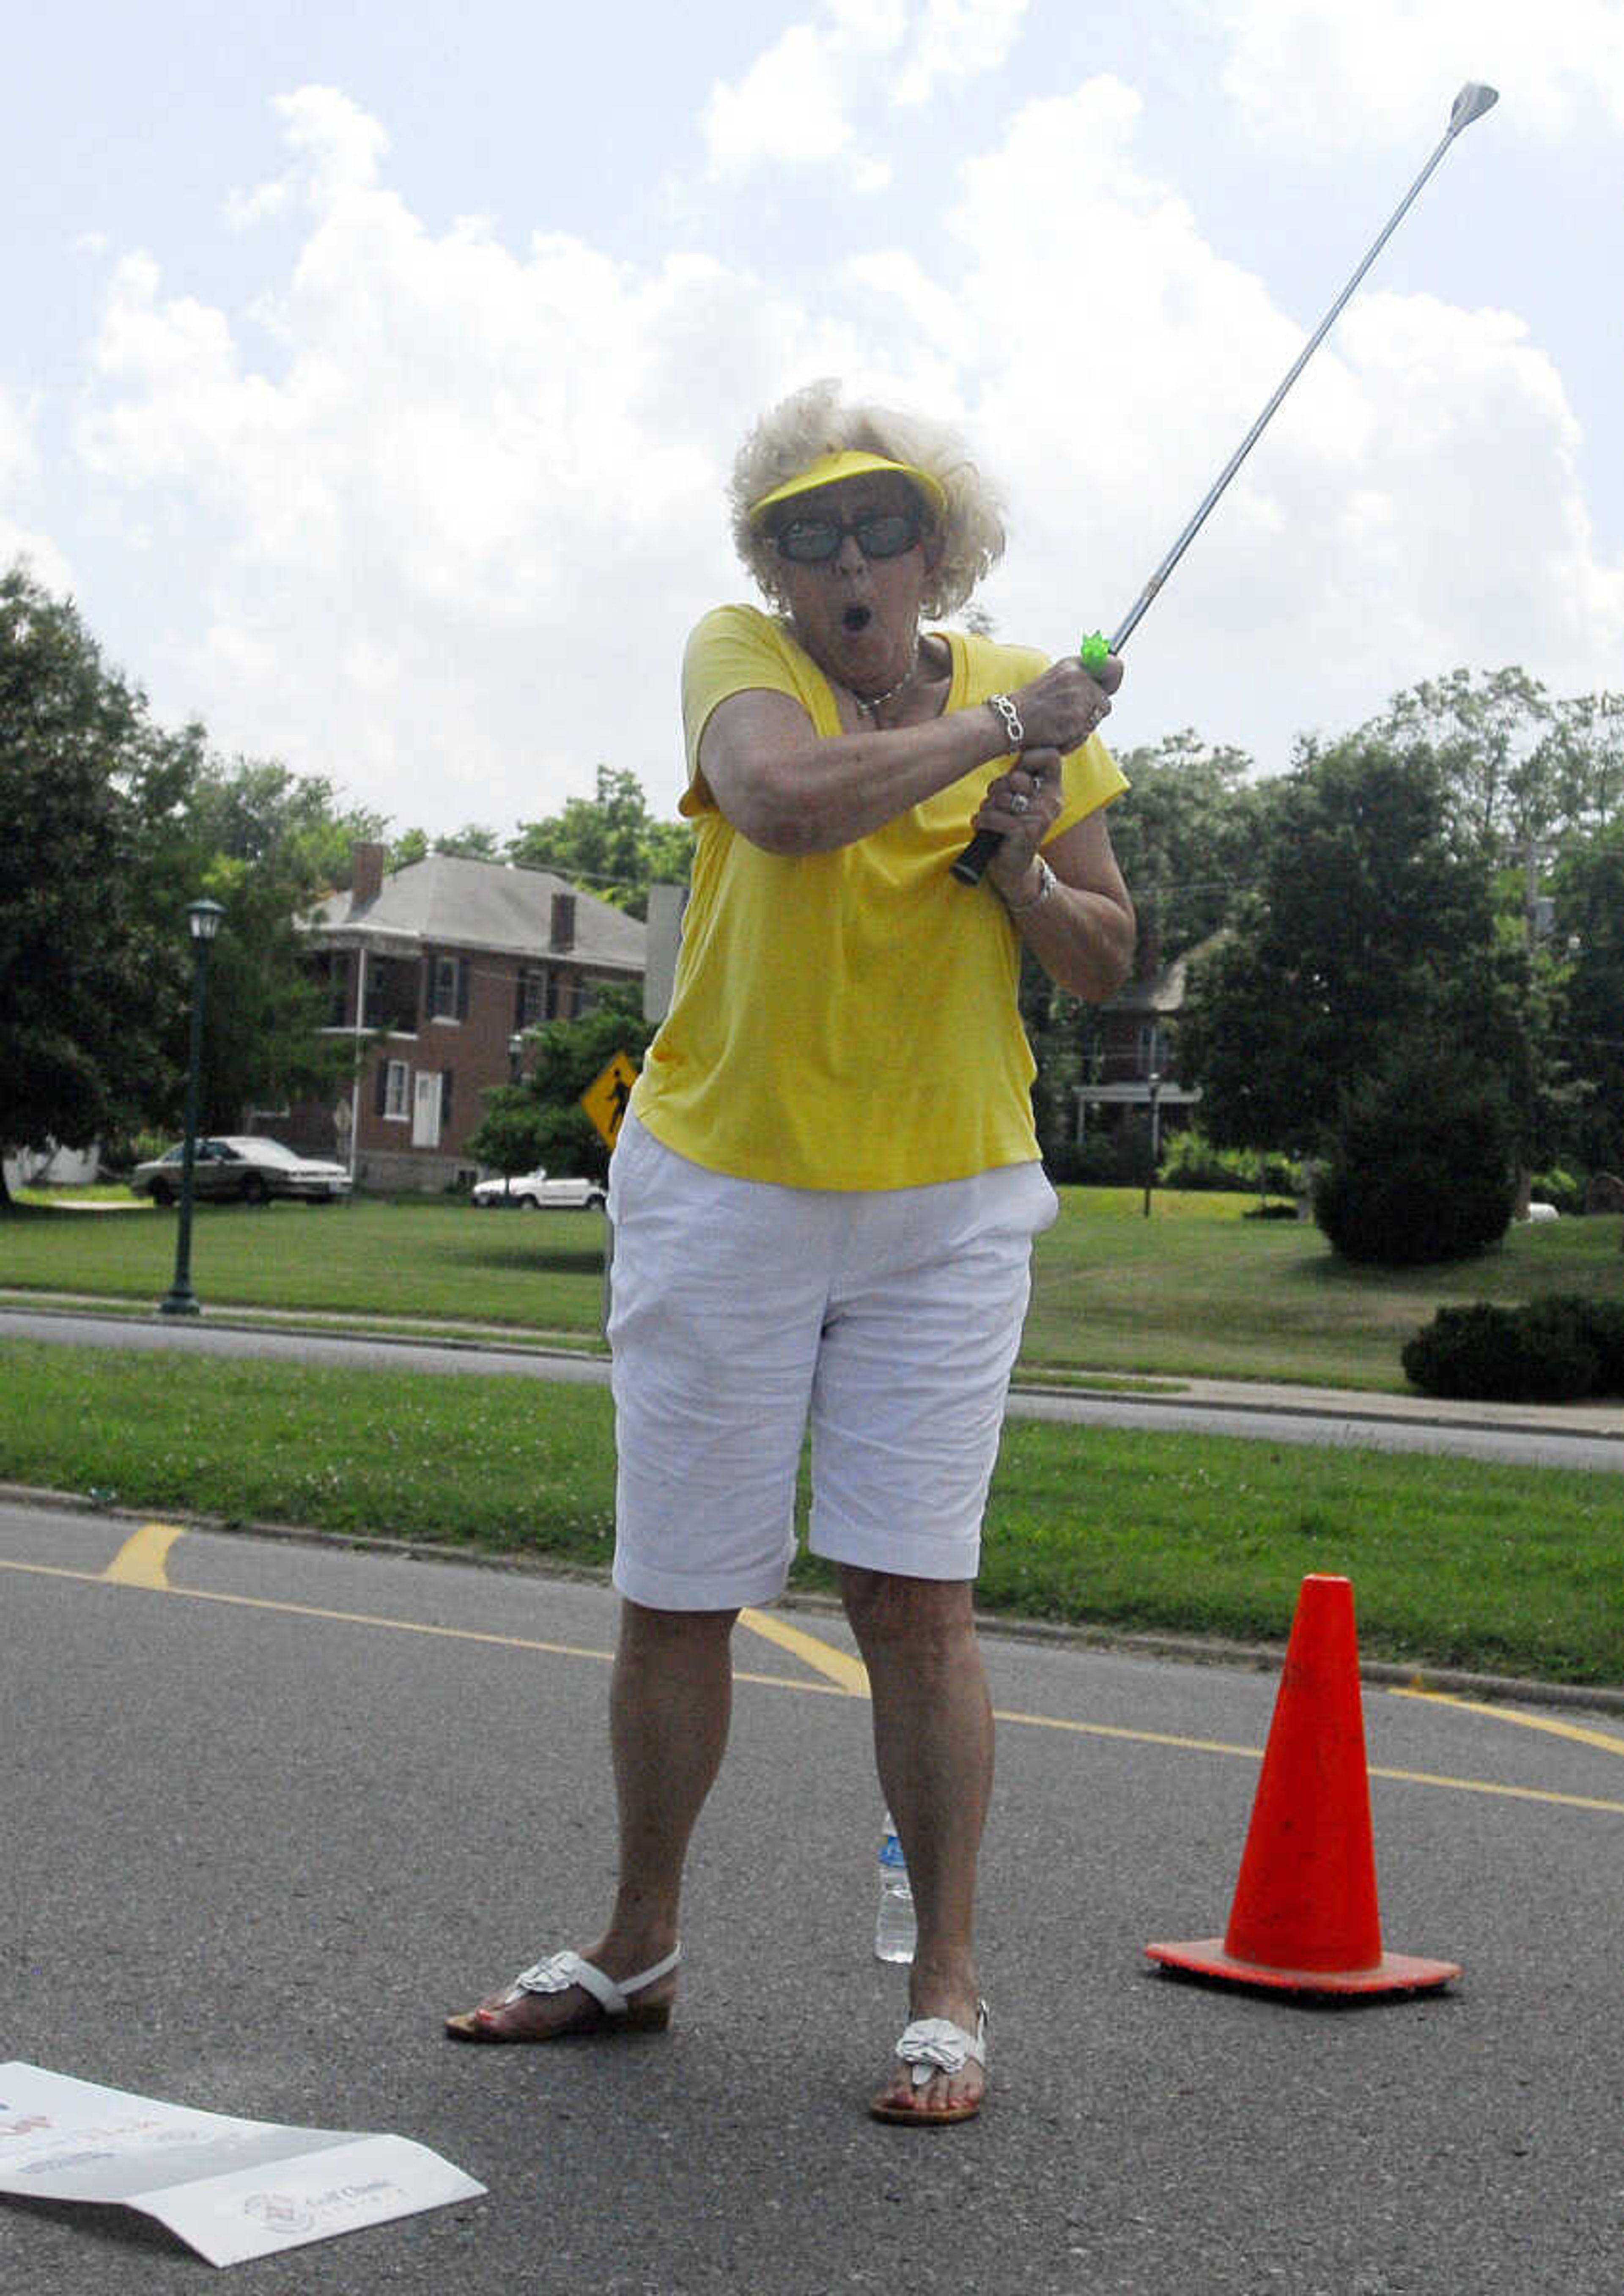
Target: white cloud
{"x":337,"y":147}
{"x":19,"y":458}
{"x":958,"y":40}
{"x":793,"y":105}
{"x":1324,"y":74}
{"x":38,"y":553}
{"x":19,"y":463}
{"x":1415,"y":503}
{"x":450,"y":536}
{"x":441,"y":511}
{"x":906,"y":302}
{"x":789,"y":108}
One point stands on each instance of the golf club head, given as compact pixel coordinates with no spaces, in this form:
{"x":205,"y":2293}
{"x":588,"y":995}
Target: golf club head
{"x":1473,"y":102}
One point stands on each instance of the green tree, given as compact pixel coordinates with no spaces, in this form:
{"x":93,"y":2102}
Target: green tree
{"x":473,"y":842}
{"x":1420,"y":1164}
{"x":1185,"y":833}
{"x":94,"y":971}
{"x":109,"y":827}
{"x":1057,"y":1027}
{"x":411,"y":845}
{"x":1521,"y":768}
{"x":510,"y":1135}
{"x":567,"y":1057}
{"x":609,"y":842}
{"x":265,"y":843}
{"x":1589,"y":894}
{"x":1373,"y":917}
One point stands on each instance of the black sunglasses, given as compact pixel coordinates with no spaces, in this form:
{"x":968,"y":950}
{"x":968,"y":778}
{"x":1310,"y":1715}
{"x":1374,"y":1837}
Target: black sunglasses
{"x":880,"y":534}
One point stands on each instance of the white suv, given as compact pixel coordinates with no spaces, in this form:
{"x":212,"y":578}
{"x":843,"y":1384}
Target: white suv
{"x":533,"y":1192}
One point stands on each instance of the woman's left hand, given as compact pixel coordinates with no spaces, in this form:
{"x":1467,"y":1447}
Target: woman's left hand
{"x":1020,"y":809}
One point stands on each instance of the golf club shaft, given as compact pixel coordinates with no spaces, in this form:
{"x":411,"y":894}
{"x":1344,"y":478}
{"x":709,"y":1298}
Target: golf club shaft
{"x":1470,"y":104}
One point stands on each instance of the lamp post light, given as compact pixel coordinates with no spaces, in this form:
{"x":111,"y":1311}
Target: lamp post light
{"x":203,"y":922}
{"x":1153,"y":1140}
{"x":515,"y":1058}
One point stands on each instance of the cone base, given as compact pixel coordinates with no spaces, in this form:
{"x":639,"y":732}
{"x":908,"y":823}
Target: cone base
{"x":1395,"y":1973}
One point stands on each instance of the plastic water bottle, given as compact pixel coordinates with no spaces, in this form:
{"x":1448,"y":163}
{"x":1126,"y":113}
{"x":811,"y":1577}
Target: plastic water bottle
{"x":894,"y":1923}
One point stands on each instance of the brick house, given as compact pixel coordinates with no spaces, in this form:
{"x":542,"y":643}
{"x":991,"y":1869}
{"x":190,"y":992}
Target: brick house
{"x":437,"y":969}
{"x":1136,"y":1059}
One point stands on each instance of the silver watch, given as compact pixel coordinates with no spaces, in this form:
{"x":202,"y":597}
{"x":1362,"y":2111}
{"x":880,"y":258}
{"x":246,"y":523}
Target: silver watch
{"x":1046,"y":882}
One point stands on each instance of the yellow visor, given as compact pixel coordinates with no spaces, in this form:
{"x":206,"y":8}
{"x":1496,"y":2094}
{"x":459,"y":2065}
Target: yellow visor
{"x":850,"y":464}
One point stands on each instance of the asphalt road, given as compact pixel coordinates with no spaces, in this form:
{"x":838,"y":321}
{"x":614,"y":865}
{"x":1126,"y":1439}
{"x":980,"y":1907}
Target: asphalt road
{"x":270,"y":1807}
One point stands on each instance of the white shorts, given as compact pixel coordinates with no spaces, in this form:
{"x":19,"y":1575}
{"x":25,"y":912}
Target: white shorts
{"x":739,"y":1311}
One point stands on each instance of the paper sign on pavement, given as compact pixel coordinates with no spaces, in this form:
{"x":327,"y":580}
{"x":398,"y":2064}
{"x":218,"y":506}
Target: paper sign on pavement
{"x":231,"y":2189}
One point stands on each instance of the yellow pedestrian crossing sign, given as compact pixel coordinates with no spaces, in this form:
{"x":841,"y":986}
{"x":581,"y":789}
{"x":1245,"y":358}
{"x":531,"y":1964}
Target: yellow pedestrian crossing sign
{"x":604,"y":1100}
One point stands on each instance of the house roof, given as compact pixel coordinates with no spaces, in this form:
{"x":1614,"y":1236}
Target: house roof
{"x":446,"y":901}
{"x":1161,"y":991}
{"x":1164,"y":988}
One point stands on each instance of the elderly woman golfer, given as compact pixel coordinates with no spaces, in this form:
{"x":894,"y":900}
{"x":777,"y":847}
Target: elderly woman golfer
{"x":825,"y":1190}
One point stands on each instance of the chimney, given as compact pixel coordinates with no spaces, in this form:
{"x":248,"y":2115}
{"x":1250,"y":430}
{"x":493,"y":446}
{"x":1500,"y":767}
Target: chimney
{"x":367,"y":874}
{"x":563,"y":921}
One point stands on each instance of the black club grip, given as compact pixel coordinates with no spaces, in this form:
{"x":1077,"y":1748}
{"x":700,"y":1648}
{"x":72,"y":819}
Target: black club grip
{"x":971,"y":863}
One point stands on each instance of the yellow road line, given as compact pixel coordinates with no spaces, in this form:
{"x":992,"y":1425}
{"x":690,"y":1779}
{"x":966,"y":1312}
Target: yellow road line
{"x":850,"y":1673}
{"x":1255,"y":1754}
{"x":1509,"y":1793}
{"x":141,"y":1560}
{"x":392,"y":1626}
{"x":1133,"y":1737}
{"x":829,"y":1689}
{"x":1576,"y":1731}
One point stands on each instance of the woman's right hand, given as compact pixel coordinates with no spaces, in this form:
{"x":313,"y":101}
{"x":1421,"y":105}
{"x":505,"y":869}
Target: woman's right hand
{"x":1060,"y":709}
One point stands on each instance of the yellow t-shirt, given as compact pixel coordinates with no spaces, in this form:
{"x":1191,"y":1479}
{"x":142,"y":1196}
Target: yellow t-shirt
{"x":847,"y":1019}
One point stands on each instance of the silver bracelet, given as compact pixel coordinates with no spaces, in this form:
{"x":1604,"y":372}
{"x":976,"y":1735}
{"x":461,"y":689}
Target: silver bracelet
{"x":1046,"y":882}
{"x":1011,"y":715}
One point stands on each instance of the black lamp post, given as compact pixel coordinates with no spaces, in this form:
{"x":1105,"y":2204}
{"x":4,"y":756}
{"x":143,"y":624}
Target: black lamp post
{"x":1153,"y":1141}
{"x":203,"y":922}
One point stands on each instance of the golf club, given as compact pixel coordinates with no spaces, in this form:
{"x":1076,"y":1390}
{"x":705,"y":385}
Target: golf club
{"x":1473,"y":102}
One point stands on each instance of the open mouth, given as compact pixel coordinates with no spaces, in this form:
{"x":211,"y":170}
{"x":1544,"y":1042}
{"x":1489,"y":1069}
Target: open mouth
{"x":857,"y":618}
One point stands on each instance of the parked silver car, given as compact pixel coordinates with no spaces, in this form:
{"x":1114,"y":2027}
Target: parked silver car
{"x":534,"y":1192}
{"x":240,"y":1168}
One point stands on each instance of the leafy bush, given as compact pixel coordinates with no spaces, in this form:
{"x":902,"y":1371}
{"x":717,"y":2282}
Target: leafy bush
{"x":1118,"y":1160}
{"x":1564,"y":1189}
{"x":1190,"y":1160}
{"x":1604,"y":1325}
{"x":122,"y":1153}
{"x":1420,"y":1168}
{"x":1556,"y":1351}
{"x":1103,"y":1160}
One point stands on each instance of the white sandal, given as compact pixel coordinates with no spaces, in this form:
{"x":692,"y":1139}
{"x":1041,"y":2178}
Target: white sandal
{"x":932,"y":2045}
{"x":556,"y":1973}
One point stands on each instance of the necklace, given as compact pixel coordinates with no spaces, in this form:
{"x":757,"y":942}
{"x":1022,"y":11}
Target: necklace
{"x":870,"y":703}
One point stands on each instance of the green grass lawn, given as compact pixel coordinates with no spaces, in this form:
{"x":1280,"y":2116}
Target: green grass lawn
{"x":1508,"y":1570}
{"x":411,"y":1257}
{"x":1196,"y":1289}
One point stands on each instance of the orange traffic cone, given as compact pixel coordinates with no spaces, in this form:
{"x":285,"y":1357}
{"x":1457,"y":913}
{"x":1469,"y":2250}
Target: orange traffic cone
{"x":1304,"y":1918}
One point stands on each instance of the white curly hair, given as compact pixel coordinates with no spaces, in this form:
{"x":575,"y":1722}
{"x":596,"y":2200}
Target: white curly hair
{"x":815,"y":421}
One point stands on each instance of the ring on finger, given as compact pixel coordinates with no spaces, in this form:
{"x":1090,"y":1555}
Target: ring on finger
{"x":1019,"y":804}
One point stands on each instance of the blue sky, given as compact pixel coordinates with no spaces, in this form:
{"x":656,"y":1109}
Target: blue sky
{"x":370,"y":373}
